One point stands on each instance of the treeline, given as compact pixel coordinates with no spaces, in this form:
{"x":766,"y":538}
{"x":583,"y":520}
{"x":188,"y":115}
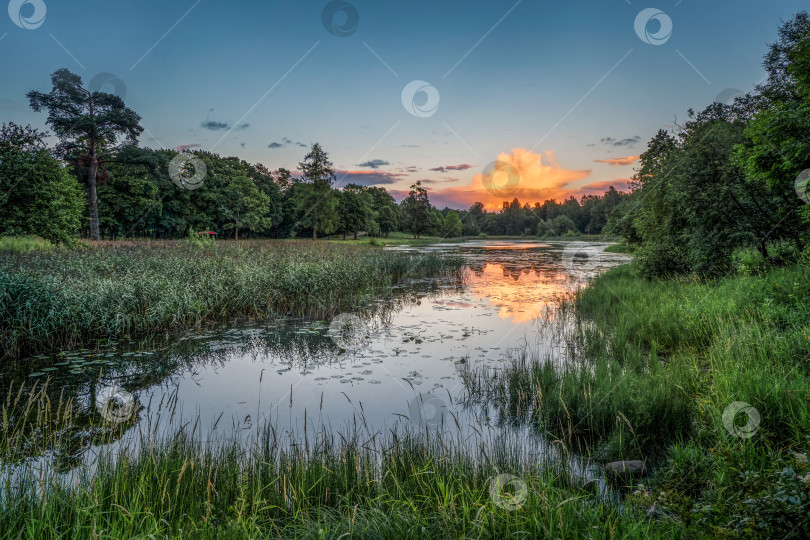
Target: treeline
{"x":98,"y":183}
{"x":588,"y":215}
{"x":138,"y":197}
{"x":729,"y":189}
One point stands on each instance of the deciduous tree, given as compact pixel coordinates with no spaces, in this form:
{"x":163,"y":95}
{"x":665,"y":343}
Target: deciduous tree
{"x":37,"y":194}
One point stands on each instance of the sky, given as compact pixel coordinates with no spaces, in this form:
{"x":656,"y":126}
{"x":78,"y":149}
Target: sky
{"x":481,"y":101}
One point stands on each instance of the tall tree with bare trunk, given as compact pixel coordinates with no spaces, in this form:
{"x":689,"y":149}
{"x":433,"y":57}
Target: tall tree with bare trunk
{"x":92,"y":127}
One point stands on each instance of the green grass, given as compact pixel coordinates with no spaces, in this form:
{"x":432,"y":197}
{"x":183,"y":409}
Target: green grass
{"x":649,"y":369}
{"x":404,"y":487}
{"x":405,"y":239}
{"x":64,"y":299}
{"x":395,"y":239}
{"x":573,"y":237}
{"x":24,"y":244}
{"x":652,"y":367}
{"x":403,"y":484}
{"x":621,"y":247}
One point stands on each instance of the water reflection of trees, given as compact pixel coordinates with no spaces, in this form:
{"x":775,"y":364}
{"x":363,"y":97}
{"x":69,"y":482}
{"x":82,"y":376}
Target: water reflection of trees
{"x":60,"y":416}
{"x":67,"y":414}
{"x":516,"y":263}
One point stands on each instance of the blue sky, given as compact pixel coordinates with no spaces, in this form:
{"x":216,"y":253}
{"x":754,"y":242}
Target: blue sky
{"x":556,"y":89}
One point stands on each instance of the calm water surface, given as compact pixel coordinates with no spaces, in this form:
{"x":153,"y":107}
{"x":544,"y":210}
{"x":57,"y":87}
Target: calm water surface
{"x":396,"y":362}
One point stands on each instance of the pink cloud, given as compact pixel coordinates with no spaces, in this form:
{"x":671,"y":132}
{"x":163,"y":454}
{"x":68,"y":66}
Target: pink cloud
{"x":619,"y":162}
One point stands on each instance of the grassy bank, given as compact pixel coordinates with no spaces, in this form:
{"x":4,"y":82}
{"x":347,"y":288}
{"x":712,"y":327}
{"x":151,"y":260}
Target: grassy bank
{"x":405,"y":483}
{"x":653,"y":367}
{"x":24,"y":244}
{"x":51,"y":300}
{"x":621,"y":247}
{"x":405,"y":239}
{"x":405,"y":487}
{"x":396,"y":239}
{"x":649,"y":370}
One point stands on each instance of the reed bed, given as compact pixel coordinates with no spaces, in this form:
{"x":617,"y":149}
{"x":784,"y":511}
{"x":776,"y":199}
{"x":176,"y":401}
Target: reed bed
{"x":58,"y":300}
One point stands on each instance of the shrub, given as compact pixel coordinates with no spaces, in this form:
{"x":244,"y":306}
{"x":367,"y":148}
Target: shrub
{"x":24,"y":244}
{"x":749,"y":262}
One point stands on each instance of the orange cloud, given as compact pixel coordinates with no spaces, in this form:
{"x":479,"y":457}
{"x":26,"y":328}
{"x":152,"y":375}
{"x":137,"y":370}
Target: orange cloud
{"x":618,"y":162}
{"x":523,"y":174}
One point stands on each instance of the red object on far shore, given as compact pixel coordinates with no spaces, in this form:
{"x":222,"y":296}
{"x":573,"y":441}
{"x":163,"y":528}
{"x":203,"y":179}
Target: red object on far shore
{"x":209,"y":233}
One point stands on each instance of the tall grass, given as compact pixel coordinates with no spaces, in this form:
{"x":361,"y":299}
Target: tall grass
{"x":65,"y":299}
{"x":653,"y":366}
{"x":649,"y":367}
{"x":399,"y":486}
{"x":24,"y":244}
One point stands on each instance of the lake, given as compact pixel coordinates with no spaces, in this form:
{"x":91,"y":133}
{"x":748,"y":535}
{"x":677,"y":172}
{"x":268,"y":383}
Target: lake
{"x":396,"y":363}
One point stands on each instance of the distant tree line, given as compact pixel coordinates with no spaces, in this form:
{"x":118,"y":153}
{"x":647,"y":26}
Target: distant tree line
{"x":587,"y":215}
{"x":98,"y":183}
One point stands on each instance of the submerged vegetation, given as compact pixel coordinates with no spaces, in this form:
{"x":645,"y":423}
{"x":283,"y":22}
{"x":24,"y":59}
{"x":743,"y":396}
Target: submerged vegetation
{"x":63,"y":299}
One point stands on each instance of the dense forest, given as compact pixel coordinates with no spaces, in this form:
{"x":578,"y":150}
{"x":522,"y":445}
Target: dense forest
{"x":728,"y":190}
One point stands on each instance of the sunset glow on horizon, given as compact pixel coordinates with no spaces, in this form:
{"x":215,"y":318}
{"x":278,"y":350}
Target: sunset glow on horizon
{"x":572,"y":116}
{"x":569,"y":106}
{"x":524,"y":175}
